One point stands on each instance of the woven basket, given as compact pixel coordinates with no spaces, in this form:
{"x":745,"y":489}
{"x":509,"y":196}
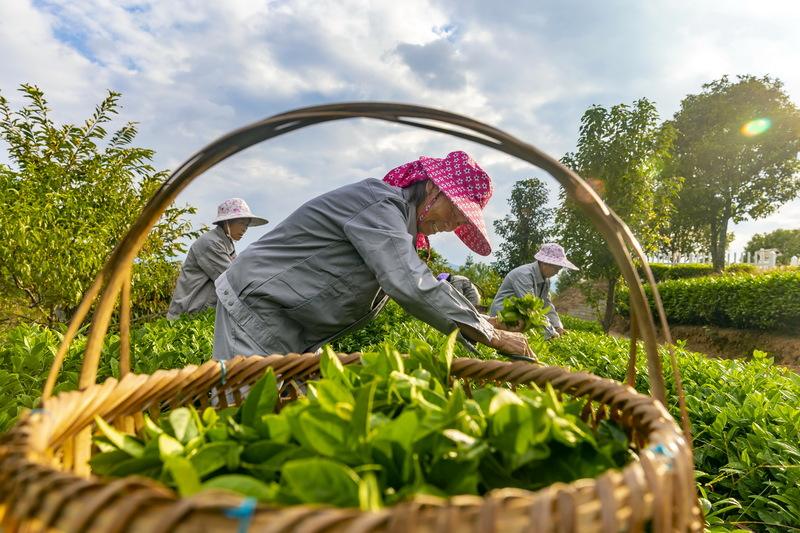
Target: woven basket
{"x":45,"y":482}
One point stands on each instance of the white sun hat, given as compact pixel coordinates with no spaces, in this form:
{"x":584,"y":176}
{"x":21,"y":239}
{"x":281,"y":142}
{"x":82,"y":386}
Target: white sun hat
{"x":553,"y":254}
{"x":237,"y":208}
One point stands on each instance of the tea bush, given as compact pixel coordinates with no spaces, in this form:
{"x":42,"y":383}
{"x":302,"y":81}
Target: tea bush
{"x":769,"y":301}
{"x":744,"y":414}
{"x":665,"y":271}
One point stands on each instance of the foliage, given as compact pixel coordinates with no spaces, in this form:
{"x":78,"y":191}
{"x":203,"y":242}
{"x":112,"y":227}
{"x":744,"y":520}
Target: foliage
{"x":744,"y":413}
{"x":369,"y":435}
{"x":769,"y":301}
{"x":527,"y":226}
{"x":787,"y":241}
{"x":27,"y":352}
{"x":527,"y":309}
{"x":152,"y":284}
{"x":663,"y":272}
{"x":484,"y":276}
{"x":572,"y":323}
{"x":622,"y":152}
{"x":390,"y":317}
{"x":746,"y":426}
{"x":73,"y":192}
{"x":731,"y":173}
{"x":435,"y":261}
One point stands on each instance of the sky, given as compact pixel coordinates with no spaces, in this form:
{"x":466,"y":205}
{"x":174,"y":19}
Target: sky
{"x":190,"y":71}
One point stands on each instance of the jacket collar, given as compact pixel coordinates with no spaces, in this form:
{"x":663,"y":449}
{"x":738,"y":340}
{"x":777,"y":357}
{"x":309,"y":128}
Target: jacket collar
{"x":223,"y":237}
{"x":538,"y":279}
{"x":411,"y":223}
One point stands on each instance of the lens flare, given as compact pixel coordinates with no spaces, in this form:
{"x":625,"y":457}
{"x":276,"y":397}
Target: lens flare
{"x":756,"y":127}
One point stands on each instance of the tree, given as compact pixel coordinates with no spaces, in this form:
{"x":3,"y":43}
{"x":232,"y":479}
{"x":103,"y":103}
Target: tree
{"x":73,"y":192}
{"x":435,"y":261}
{"x":525,"y":228}
{"x":622,"y":152}
{"x":483,"y":275}
{"x":787,"y":241}
{"x":736,"y":149}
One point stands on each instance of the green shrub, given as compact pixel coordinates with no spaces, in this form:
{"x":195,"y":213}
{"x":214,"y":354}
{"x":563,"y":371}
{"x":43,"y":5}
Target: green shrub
{"x":664,"y":271}
{"x":741,"y":268}
{"x":745,"y":423}
{"x":572,"y":323}
{"x":768,"y":301}
{"x":27,"y":352}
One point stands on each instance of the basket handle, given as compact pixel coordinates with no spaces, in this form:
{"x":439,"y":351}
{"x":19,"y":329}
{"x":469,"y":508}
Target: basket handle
{"x":618,"y":236}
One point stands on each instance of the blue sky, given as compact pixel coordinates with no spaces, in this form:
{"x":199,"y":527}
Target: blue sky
{"x":190,"y":71}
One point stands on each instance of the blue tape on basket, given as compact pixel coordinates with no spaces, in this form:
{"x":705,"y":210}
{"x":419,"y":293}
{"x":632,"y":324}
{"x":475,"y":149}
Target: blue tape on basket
{"x":243,"y":513}
{"x":224,"y":372}
{"x":38,"y":411}
{"x":660,"y":449}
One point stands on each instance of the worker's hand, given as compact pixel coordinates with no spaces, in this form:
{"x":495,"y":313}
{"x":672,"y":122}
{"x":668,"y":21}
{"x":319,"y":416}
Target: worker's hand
{"x":560,"y":330}
{"x":510,"y":342}
{"x":499,"y":325}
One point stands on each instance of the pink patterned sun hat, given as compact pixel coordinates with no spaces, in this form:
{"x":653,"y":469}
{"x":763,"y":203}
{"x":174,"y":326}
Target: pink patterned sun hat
{"x":553,"y":254}
{"x":465,"y":183}
{"x":237,"y":208}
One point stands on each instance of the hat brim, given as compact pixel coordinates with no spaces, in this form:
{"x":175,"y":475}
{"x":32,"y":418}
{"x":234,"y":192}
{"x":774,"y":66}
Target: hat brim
{"x":566,"y":263}
{"x":254,"y":221}
{"x":474,"y":233}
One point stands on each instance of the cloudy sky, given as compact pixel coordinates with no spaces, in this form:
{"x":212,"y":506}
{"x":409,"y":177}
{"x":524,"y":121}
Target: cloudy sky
{"x":190,"y":71}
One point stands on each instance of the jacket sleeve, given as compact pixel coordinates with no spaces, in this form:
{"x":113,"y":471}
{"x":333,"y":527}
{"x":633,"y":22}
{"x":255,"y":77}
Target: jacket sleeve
{"x":380,"y":235}
{"x":471,"y":293}
{"x":213,"y":259}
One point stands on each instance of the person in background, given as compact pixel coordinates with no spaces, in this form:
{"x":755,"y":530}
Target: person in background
{"x":463,"y":285}
{"x":330,"y":266}
{"x":534,"y":278}
{"x":209,"y":256}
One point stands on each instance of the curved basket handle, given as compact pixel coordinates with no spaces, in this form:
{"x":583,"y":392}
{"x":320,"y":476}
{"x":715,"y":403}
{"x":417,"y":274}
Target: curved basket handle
{"x":616,"y":233}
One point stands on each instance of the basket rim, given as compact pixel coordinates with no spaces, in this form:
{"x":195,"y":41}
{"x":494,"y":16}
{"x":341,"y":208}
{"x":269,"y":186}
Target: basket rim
{"x":26,"y":449}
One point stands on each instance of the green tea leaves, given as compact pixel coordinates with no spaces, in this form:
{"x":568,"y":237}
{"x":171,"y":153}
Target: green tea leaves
{"x":323,"y":480}
{"x":367,"y":436}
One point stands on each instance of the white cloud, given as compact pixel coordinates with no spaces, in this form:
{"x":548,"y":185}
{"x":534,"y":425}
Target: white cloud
{"x":191,"y":71}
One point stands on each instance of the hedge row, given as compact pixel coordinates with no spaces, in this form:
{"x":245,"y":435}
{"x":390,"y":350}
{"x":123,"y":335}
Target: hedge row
{"x":769,"y":301}
{"x":665,"y":271}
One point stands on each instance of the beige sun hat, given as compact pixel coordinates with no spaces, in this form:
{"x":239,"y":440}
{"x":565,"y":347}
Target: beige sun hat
{"x":237,"y":208}
{"x":553,"y":254}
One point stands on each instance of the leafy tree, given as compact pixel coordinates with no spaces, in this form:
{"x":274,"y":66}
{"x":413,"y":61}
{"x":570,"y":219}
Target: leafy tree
{"x":685,"y":235}
{"x":71,"y":194}
{"x":736,"y":149}
{"x":435,"y":261}
{"x":483,"y":275}
{"x":787,"y":241}
{"x":622,"y":152}
{"x":526,"y":227}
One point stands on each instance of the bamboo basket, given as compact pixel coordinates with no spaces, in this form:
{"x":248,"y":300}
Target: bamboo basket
{"x":45,"y":483}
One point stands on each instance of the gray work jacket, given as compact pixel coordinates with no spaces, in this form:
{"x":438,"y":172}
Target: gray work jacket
{"x":527,"y":279}
{"x":208,"y":257}
{"x":467,"y":288}
{"x":320,"y":273}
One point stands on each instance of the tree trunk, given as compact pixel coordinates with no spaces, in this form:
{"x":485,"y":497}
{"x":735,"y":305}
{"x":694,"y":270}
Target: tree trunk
{"x":609,"y":314}
{"x":714,"y":242}
{"x":720,"y":242}
{"x":723,"y":246}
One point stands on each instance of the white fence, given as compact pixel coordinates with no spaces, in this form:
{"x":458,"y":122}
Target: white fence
{"x":764,"y":258}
